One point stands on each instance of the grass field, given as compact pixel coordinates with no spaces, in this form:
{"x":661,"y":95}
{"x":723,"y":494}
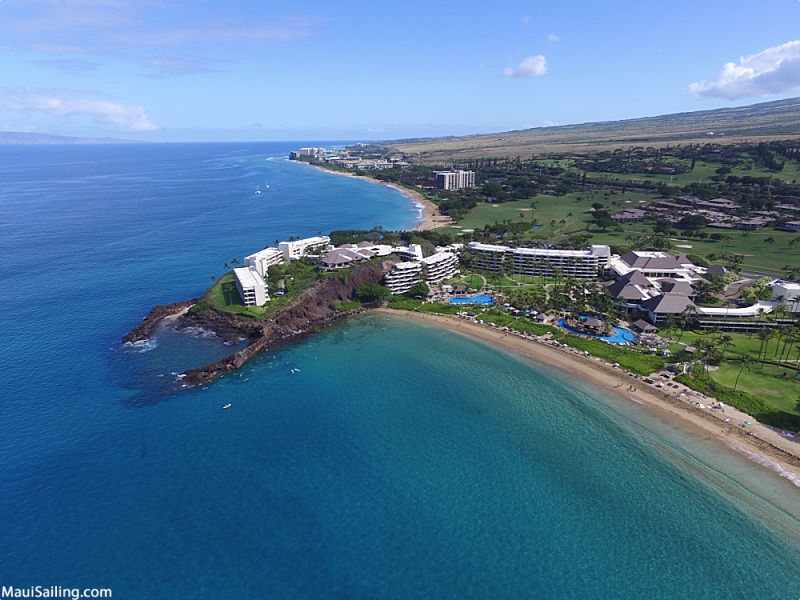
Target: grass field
{"x":766,"y":383}
{"x":758,"y":255}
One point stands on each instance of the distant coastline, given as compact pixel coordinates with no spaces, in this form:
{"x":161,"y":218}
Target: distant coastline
{"x":431,"y":218}
{"x":19,"y":138}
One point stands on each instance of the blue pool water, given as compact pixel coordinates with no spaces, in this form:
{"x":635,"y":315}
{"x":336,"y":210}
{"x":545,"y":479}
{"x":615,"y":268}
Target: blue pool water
{"x":482,"y":299}
{"x":380,"y":459}
{"x":622,"y":336}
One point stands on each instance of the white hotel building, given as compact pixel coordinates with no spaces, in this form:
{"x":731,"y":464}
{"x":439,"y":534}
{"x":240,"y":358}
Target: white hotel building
{"x":299,"y":248}
{"x":454,"y":180}
{"x":542,"y":262}
{"x":402,"y":276}
{"x":440,"y":266}
{"x":264,"y":259}
{"x":251,"y":285}
{"x":433,"y":269}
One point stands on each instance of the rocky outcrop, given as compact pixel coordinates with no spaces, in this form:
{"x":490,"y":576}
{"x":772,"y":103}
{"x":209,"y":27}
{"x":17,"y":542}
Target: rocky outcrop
{"x":312,"y":310}
{"x":147,"y":327}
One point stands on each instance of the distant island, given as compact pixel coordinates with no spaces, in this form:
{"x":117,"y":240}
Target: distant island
{"x":25,"y":138}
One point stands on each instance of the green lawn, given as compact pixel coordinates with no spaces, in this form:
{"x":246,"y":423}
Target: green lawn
{"x":766,"y":383}
{"x":758,"y":255}
{"x":223,"y":294}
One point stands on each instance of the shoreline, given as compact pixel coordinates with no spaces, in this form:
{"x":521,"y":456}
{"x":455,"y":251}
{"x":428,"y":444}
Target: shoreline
{"x":766,"y":443}
{"x":429,"y":212}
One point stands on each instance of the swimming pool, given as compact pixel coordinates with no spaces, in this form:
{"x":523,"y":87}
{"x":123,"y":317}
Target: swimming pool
{"x":622,"y":335}
{"x":484,"y":299}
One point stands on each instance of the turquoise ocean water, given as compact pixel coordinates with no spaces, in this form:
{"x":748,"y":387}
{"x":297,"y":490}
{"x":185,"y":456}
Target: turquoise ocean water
{"x":400,"y":461}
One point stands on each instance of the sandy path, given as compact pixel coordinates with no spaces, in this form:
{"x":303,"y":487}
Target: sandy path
{"x":767,"y":443}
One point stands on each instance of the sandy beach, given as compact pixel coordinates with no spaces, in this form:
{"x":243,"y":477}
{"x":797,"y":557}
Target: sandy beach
{"x":431,"y":217}
{"x":670,"y":405}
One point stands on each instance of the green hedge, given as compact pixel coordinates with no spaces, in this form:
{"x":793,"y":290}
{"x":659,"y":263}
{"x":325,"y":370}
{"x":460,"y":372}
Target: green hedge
{"x":641,"y":364}
{"x":441,"y":308}
{"x":346,"y":306}
{"x":747,"y":403}
{"x":403,"y":303}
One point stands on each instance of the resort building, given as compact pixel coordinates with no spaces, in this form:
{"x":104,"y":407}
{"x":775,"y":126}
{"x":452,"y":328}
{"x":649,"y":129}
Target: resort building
{"x":658,"y":308}
{"x":264,"y":259}
{"x":542,"y":262}
{"x":788,"y":293}
{"x":412,"y":252}
{"x":440,"y":266}
{"x":251,"y":285}
{"x":655,"y":265}
{"x":344,"y":257}
{"x":454,"y":180}
{"x":402,"y":276}
{"x":297,"y":249}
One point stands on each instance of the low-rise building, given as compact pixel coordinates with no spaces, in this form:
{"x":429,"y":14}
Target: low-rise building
{"x":656,"y":265}
{"x":251,"y":286}
{"x":788,"y":293}
{"x":660,"y":307}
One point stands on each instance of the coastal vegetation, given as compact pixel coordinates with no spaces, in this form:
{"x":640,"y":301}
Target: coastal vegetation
{"x":570,"y":198}
{"x":751,"y":404}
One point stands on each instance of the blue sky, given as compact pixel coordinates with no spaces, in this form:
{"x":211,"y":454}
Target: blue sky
{"x":238,"y":70}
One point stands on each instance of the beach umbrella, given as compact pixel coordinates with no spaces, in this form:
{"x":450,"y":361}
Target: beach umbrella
{"x":747,"y":422}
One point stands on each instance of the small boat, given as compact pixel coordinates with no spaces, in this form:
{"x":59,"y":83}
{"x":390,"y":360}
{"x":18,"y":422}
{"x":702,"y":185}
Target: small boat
{"x":258,"y":191}
{"x":226,"y":406}
{"x":266,"y":185}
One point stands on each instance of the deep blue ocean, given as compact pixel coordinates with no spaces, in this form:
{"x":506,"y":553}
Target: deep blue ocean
{"x":378,"y":459}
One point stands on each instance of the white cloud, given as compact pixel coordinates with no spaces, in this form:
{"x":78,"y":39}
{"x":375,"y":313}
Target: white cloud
{"x":773,"y":71}
{"x":138,"y":29}
{"x":526,"y":20}
{"x":553,"y":38}
{"x":64,"y":104}
{"x":533,"y":66}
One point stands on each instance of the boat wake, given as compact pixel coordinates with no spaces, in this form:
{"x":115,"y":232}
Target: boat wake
{"x":770,"y":464}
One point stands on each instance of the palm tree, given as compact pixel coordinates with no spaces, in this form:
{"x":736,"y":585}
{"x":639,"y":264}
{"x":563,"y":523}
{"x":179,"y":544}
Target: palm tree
{"x":726,"y":340}
{"x":213,"y":278}
{"x":746,"y":360}
{"x":226,"y":266}
{"x":234,"y":261}
{"x":684,"y":319}
{"x":764,"y":334}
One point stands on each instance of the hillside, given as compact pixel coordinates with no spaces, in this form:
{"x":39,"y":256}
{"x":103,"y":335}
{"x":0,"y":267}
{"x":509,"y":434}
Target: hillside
{"x":764,"y":121}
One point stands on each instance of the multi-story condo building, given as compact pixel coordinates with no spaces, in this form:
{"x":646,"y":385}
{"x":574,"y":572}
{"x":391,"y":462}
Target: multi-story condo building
{"x":251,"y":285}
{"x":402,"y":276}
{"x":297,"y":249}
{"x":454,"y":180}
{"x":440,"y":266}
{"x":264,"y":259}
{"x":541,"y":262}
